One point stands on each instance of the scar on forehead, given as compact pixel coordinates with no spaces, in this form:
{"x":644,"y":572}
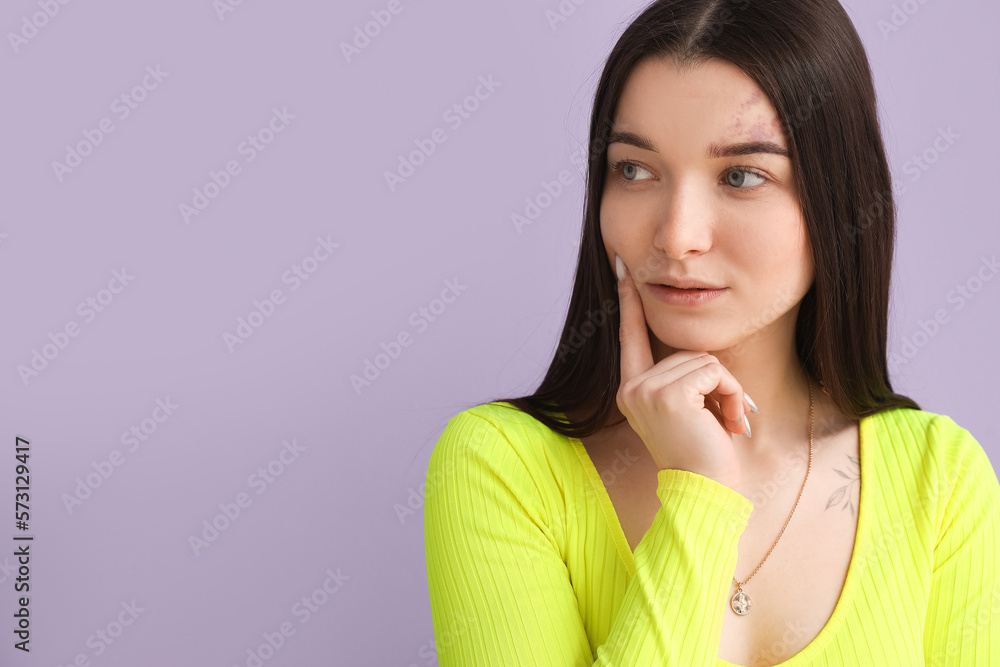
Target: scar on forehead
{"x":737,"y":125}
{"x":760,"y":131}
{"x":754,"y":98}
{"x":762,"y":128}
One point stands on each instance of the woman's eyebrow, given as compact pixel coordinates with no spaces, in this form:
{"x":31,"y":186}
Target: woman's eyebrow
{"x":746,"y":148}
{"x":714,"y":151}
{"x":632,"y":139}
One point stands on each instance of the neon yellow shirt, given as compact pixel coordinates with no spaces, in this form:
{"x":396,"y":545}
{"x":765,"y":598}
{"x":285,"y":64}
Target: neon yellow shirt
{"x":527,"y":563}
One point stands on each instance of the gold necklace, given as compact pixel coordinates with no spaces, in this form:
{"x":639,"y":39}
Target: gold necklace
{"x":741,"y":602}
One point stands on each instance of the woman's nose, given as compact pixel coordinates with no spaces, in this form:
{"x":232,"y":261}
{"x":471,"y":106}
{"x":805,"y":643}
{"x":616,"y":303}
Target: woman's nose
{"x":684,"y":225}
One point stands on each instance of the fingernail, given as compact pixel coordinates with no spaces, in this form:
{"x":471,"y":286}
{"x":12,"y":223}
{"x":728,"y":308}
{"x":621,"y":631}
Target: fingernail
{"x":748,"y":429}
{"x":753,"y":406}
{"x":619,"y":267}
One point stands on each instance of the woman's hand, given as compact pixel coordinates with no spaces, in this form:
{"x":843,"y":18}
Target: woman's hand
{"x":684,"y":408}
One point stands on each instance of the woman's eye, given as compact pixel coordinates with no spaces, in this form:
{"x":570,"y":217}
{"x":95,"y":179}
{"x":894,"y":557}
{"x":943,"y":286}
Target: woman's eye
{"x":631,"y":171}
{"x":743,"y":179}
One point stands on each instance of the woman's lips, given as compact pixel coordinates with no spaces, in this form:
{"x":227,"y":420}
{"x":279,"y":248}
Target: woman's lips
{"x":685,"y":297}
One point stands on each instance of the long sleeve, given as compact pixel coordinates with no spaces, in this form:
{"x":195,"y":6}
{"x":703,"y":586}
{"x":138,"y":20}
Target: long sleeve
{"x":673,"y":607}
{"x":963,"y":615}
{"x":500,"y":591}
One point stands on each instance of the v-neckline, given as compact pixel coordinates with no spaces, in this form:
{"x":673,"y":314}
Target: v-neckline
{"x":855,"y":569}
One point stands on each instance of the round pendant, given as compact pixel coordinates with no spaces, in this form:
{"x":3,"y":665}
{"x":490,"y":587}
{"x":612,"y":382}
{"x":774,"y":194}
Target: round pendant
{"x":741,"y":602}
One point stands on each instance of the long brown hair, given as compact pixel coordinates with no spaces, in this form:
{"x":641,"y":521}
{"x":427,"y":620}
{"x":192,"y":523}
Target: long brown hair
{"x":806,"y":56}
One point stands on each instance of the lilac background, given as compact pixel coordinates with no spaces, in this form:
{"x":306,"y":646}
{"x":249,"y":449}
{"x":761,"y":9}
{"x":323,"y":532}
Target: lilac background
{"x":337,"y":505}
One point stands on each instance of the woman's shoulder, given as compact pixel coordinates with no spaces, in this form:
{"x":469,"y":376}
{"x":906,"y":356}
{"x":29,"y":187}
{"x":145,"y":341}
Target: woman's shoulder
{"x":499,"y":430}
{"x":494,"y":450}
{"x":928,"y":438}
{"x":500,"y":413}
{"x":914,"y":425}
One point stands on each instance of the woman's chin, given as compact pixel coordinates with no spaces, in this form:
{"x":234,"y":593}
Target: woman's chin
{"x":667,"y":345}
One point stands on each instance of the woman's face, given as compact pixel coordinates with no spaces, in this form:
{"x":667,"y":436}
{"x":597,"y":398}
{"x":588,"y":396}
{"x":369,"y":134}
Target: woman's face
{"x":697,"y":189}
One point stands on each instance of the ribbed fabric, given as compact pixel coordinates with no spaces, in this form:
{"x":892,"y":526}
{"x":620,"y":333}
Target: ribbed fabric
{"x":527,"y":563}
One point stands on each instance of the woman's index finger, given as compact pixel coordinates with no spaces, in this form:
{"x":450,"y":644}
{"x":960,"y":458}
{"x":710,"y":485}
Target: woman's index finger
{"x":637,"y":356}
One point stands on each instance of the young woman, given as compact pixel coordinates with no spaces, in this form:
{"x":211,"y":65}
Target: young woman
{"x":640,"y":508}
